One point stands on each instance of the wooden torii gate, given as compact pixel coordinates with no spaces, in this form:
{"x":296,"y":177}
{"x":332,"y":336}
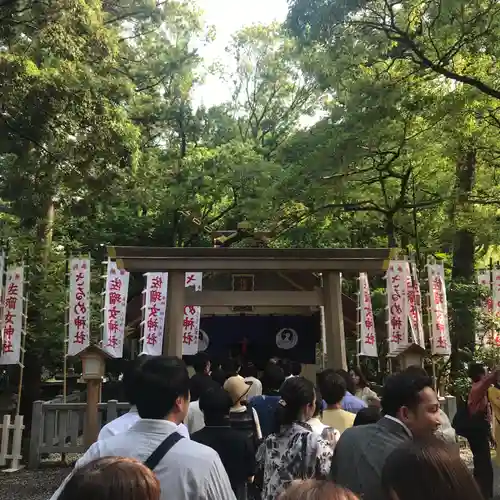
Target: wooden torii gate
{"x":330,"y":262}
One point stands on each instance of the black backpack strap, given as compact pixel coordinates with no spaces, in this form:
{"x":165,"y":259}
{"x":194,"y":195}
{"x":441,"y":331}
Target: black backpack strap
{"x":157,"y":455}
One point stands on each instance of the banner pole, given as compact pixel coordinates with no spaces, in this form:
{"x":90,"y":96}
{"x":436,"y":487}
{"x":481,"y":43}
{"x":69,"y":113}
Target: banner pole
{"x":323,"y":338}
{"x":142,"y":326}
{"x":104,"y":278}
{"x":430,"y":261}
{"x":358,"y":325}
{"x":66,"y":324}
{"x":3,"y":284}
{"x":23,"y":339}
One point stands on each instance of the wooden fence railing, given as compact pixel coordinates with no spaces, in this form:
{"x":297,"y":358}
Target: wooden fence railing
{"x":11,"y":438}
{"x":61,"y":426}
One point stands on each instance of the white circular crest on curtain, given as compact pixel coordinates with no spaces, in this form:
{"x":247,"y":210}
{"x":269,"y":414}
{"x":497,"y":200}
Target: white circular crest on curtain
{"x":203,"y":341}
{"x":287,"y":338}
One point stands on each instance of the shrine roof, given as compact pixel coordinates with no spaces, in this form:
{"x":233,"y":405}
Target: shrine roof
{"x":148,"y":259}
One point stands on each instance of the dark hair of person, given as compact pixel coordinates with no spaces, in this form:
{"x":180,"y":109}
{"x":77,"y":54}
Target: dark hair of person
{"x":369,"y":415}
{"x":231,"y":367}
{"x":295,"y":393}
{"x":332,"y":386}
{"x":249,"y":370}
{"x":313,"y":489}
{"x":295,"y":368}
{"x":318,"y":408}
{"x":430,"y":469}
{"x":362,"y":379}
{"x":219,"y":376}
{"x":160,"y":380}
{"x":476,"y":371}
{"x":215,"y":404}
{"x":286,"y":366}
{"x":416,"y":370}
{"x":403,"y":389}
{"x":110,"y":478}
{"x":129,"y":376}
{"x":349,"y":382}
{"x":272,"y":378}
{"x":200,"y":362}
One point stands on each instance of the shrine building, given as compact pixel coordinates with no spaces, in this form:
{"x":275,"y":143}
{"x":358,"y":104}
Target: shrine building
{"x":257,"y":302}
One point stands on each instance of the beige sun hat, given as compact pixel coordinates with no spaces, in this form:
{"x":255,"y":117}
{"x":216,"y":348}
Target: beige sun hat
{"x":236,"y":387}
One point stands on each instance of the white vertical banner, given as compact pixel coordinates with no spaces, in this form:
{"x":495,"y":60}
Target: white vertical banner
{"x":367,"y":337}
{"x":439,"y":329}
{"x":13,"y":316}
{"x":417,"y":294}
{"x":413,"y":336}
{"x":155,"y":305}
{"x":79,"y":305}
{"x":495,"y":276}
{"x":323,"y":332}
{"x":192,"y":317}
{"x":115,"y":309}
{"x":397,"y":304}
{"x":486,"y":308}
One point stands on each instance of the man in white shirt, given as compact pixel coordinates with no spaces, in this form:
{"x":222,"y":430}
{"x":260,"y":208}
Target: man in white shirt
{"x":189,"y":470}
{"x":123,"y":423}
{"x":195,"y":419}
{"x":249,"y":373}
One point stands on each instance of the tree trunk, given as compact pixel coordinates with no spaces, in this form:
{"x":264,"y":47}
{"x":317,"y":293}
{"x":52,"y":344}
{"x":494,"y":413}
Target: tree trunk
{"x":33,"y":358}
{"x":31,"y":385}
{"x":390,"y":231}
{"x":463,"y":259}
{"x":463,"y":244}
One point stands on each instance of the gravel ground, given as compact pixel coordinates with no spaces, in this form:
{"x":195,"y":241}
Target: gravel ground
{"x":41,"y":484}
{"x":32,"y":484}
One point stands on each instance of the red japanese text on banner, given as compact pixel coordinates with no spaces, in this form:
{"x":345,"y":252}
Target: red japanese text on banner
{"x":195,"y":280}
{"x":13,"y":316}
{"x":367,"y":337}
{"x":439,"y":330}
{"x":79,"y":306}
{"x":155,"y":304}
{"x":495,"y":276}
{"x":192,"y":317}
{"x":397,"y":303}
{"x":486,"y":308}
{"x":418,"y":306}
{"x":115,"y":309}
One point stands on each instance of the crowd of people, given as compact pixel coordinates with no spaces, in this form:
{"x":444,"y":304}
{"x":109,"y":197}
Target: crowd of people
{"x":230,"y":432}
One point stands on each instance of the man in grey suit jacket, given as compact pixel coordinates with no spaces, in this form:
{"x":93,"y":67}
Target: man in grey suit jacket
{"x":411,"y":409}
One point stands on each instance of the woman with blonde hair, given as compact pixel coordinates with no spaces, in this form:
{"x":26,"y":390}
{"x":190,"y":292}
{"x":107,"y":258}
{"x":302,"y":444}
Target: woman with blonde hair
{"x":313,"y":489}
{"x":112,"y":478}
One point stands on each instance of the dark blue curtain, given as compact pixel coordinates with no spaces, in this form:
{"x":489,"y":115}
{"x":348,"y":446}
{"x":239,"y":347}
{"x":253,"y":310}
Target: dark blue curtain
{"x":290,"y":337}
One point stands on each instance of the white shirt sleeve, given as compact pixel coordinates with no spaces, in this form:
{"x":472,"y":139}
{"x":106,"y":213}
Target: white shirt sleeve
{"x":217,"y":485}
{"x":183,"y":431}
{"x":105,"y":433}
{"x":257,"y":424}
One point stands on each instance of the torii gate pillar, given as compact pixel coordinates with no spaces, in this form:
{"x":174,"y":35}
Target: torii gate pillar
{"x":334,"y":321}
{"x":172,"y":336}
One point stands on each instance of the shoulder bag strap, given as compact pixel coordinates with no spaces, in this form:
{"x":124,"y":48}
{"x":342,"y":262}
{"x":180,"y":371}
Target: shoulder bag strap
{"x":157,"y":455}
